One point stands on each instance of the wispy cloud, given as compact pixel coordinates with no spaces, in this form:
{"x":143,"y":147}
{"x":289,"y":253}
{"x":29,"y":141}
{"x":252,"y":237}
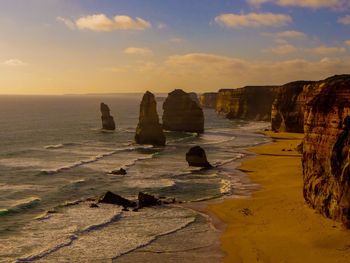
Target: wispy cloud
{"x":138,"y":51}
{"x":345,"y":20}
{"x":176,"y":40}
{"x":282,"y":49}
{"x":102,"y":23}
{"x":290,"y":34}
{"x":14,"y":62}
{"x":315,"y":4}
{"x":347,"y":42}
{"x":253,"y":20}
{"x":285,"y":49}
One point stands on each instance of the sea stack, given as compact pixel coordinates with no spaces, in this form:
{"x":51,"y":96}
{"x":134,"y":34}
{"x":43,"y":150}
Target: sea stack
{"x":196,"y":157}
{"x":149,"y":130}
{"x":182,"y":113}
{"x":107,"y":119}
{"x":208,"y":100}
{"x":326,"y":149}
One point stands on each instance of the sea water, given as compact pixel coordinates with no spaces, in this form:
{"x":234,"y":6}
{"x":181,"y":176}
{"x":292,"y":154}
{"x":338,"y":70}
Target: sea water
{"x":53,"y":152}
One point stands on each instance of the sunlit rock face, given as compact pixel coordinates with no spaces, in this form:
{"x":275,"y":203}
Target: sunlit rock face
{"x":249,"y":103}
{"x":149,"y":130}
{"x":182,"y":113}
{"x":287,"y":114}
{"x":326,"y":156}
{"x":208,"y":100}
{"x":107,"y":120}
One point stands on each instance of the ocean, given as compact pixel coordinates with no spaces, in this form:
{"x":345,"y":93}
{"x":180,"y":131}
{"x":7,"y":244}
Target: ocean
{"x":53,"y":152}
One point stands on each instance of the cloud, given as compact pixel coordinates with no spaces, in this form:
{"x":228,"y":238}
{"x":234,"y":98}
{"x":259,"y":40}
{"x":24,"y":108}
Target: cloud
{"x":102,"y":23}
{"x":347,"y":42}
{"x":138,"y":51}
{"x":282,"y":49}
{"x":253,"y":20}
{"x":344,"y":20}
{"x":69,"y":23}
{"x":325,"y":50}
{"x":14,"y":63}
{"x":315,"y":4}
{"x":176,"y":40}
{"x":161,"y":26}
{"x":290,"y":34}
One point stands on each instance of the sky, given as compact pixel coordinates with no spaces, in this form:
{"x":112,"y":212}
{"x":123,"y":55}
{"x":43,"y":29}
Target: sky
{"x":111,"y":46}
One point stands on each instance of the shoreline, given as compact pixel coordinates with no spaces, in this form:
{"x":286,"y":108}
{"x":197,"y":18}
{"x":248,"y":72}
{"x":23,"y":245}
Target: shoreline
{"x":274,"y":224}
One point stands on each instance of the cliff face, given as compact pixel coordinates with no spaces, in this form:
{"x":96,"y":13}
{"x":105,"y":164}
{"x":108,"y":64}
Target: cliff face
{"x":107,"y":119}
{"x":208,"y":100}
{"x":181,"y":113}
{"x":251,"y":103}
{"x":326,"y":156}
{"x":149,"y":130}
{"x":287,"y":114}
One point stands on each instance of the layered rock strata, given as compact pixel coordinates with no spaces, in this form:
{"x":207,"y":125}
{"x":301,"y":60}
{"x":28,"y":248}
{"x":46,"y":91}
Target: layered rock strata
{"x":249,"y":103}
{"x":326,"y":149}
{"x":208,"y":100}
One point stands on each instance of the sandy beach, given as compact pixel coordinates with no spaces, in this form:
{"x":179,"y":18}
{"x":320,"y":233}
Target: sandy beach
{"x":275,"y":224}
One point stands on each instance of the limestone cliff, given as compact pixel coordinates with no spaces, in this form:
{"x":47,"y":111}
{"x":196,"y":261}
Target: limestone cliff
{"x":326,"y":155}
{"x":149,"y":130}
{"x":181,"y":113}
{"x":250,"y":103}
{"x":287,"y":114}
{"x":107,"y":120}
{"x":208,"y":100}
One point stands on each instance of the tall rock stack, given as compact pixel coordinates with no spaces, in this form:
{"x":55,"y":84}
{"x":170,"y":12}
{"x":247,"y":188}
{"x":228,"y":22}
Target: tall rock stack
{"x":287,"y":113}
{"x":107,"y":119}
{"x":149,"y":130}
{"x":326,"y":156}
{"x":181,"y":113}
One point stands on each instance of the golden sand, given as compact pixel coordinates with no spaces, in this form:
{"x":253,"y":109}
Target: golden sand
{"x":274,"y":224}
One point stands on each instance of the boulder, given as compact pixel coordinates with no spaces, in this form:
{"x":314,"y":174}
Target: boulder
{"x":326,"y":149}
{"x":146,"y":200}
{"x":149,"y":130}
{"x":196,"y":157}
{"x":111,"y":198}
{"x":120,"y":171}
{"x":107,"y":119}
{"x":182,"y":113}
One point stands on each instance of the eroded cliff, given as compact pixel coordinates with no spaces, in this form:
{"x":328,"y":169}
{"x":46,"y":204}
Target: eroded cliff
{"x":250,"y":103}
{"x":326,"y":155}
{"x":287,"y":113}
{"x":208,"y":100}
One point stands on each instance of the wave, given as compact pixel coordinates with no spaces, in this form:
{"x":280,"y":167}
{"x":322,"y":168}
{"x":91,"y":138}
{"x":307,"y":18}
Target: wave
{"x":20,"y":206}
{"x":93,"y":159}
{"x":59,"y":146}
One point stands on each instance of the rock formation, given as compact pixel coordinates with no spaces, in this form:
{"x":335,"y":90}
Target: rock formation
{"x":287,"y":113}
{"x":196,"y":157}
{"x":182,"y":114}
{"x":111,"y":198}
{"x":149,"y":130}
{"x":326,"y":147}
{"x":208,"y":100}
{"x":107,"y":119}
{"x":194,"y":97}
{"x":249,"y":103}
{"x":146,"y":200}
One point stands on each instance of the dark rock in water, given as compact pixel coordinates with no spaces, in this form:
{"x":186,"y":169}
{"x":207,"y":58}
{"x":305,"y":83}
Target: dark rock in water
{"x":111,"y":198}
{"x":93,"y":205}
{"x":107,"y":119}
{"x":196,"y":157}
{"x":182,"y":113}
{"x":326,"y":158}
{"x":149,"y":130}
{"x":121,"y":171}
{"x":146,"y":200}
